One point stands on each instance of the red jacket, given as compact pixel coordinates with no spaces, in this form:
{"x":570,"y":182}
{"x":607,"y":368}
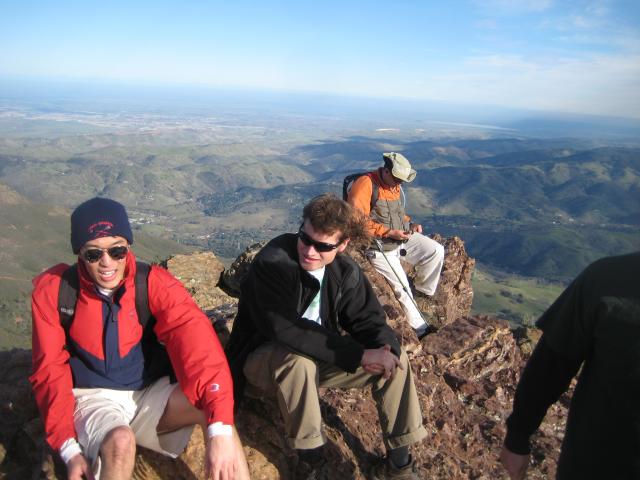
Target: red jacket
{"x":195,"y":351}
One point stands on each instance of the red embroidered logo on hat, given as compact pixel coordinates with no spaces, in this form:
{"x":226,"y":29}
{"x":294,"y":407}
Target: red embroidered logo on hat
{"x":100,"y":229}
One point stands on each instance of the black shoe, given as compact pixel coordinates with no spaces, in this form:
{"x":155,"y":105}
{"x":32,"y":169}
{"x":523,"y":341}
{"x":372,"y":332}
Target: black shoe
{"x":386,"y":470}
{"x":310,"y":471}
{"x":427,"y":331}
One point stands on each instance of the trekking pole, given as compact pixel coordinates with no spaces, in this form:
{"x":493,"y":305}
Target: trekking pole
{"x":404,"y":287}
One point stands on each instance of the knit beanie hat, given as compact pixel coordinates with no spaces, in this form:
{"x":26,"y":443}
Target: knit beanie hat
{"x":99,"y":217}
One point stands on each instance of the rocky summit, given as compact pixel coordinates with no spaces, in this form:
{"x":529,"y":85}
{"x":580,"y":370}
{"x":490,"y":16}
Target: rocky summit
{"x":465,"y":374}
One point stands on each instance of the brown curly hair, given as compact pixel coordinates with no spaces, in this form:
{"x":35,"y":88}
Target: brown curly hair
{"x":329,"y":214}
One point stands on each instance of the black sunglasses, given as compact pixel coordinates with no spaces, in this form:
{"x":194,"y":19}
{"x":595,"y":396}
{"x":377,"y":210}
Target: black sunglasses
{"x":92,"y":255}
{"x":319,"y":246}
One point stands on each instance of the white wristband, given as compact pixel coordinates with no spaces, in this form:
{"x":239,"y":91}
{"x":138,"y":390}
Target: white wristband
{"x":219,"y":429}
{"x":70,"y":448}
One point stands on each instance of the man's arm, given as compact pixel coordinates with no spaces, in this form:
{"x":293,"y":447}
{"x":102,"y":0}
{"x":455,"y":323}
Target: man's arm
{"x":78,"y":468}
{"x":193,"y":346}
{"x":360,"y":198}
{"x":361,"y":314}
{"x":51,"y":378}
{"x":272,"y":290}
{"x":546,"y":376}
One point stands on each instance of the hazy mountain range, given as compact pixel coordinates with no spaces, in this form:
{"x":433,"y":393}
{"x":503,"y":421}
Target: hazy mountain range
{"x":540,"y":207}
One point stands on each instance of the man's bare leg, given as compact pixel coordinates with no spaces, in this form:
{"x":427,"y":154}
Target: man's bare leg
{"x":179,"y":413}
{"x":118,"y":454}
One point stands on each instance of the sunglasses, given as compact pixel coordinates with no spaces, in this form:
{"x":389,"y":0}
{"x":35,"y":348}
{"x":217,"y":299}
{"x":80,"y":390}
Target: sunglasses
{"x":319,"y":246}
{"x":92,"y":255}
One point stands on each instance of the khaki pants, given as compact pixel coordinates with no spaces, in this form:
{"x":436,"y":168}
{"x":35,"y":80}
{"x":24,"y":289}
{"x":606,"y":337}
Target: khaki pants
{"x":427,"y":256}
{"x":295,"y":380}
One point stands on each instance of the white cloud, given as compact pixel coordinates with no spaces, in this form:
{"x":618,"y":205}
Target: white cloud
{"x":514,"y":6}
{"x":602,"y":84}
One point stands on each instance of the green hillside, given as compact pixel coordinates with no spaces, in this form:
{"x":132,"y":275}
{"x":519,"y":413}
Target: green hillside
{"x":521,"y":300}
{"x":547,"y":251}
{"x":541,"y":208}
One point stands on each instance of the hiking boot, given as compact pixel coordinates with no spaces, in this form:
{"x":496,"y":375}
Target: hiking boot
{"x":310,"y":471}
{"x":428,"y":330}
{"x":386,"y":470}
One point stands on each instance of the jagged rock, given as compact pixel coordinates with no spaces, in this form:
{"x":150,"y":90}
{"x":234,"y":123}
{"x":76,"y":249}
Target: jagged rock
{"x":200,"y":273}
{"x":465,"y":375}
{"x":527,"y":338}
{"x":232,"y":277}
{"x":452,"y":299}
{"x":21,"y":431}
{"x":454,"y":295}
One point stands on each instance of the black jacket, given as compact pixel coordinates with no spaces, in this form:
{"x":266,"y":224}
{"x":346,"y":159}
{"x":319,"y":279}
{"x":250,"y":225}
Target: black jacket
{"x":276,"y":293}
{"x":595,"y":324}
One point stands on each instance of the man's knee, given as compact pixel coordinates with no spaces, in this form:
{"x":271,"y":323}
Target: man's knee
{"x":119,"y":444}
{"x":296,"y":366}
{"x":430,"y":250}
{"x":404,"y":359}
{"x":430,"y":245}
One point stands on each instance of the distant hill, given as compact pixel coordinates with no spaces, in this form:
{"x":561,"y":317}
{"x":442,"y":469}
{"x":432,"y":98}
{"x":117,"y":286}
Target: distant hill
{"x":596,"y":186}
{"x":34,"y":237}
{"x":531,"y":206}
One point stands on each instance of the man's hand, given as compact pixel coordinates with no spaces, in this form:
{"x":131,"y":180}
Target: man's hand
{"x":415,"y":228}
{"x":373,"y":369}
{"x":380,"y":361}
{"x":78,"y":468}
{"x":397,"y":235}
{"x":515,"y":464}
{"x":222,"y":460}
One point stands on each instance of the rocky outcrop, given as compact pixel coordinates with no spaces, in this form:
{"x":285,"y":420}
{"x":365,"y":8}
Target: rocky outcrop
{"x":232,"y":277}
{"x":465,"y":374}
{"x":454,"y":295}
{"x":200,"y":273}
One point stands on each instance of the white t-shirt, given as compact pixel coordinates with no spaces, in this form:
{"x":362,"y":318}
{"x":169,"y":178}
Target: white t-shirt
{"x":107,"y":292}
{"x":313,"y":310}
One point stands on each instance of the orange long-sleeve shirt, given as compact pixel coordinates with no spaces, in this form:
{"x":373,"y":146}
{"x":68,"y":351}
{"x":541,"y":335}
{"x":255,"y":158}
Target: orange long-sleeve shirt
{"x":360,"y":198}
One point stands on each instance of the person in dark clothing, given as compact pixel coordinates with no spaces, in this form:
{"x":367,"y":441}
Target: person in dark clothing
{"x":594,"y":324}
{"x":308,"y":318}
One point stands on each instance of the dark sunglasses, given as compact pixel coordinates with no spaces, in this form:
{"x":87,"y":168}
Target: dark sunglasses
{"x":92,"y":255}
{"x":319,"y":246}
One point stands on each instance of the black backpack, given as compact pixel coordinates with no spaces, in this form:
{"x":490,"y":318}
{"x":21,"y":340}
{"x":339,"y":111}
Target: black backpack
{"x":156,"y":359}
{"x":348,"y":182}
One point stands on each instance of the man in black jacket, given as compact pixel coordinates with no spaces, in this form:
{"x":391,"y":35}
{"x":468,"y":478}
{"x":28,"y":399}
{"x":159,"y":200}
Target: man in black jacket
{"x":308,"y":318}
{"x":594,"y":324}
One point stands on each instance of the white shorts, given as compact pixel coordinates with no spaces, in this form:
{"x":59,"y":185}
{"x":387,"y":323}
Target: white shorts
{"x":100,"y":410}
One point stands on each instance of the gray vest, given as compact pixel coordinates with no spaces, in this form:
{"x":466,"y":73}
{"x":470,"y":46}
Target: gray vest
{"x":390,"y":213}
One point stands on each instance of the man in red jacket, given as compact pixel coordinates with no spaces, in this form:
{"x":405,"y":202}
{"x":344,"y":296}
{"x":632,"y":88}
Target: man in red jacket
{"x":91,"y":381}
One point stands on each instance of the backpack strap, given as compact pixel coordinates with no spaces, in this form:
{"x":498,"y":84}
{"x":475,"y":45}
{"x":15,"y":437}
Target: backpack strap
{"x":349,"y":180}
{"x":375,"y":191}
{"x":70,"y":284}
{"x":68,"y":296}
{"x":142,"y":293}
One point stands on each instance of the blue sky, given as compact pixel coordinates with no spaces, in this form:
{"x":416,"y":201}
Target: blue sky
{"x":567,"y":56}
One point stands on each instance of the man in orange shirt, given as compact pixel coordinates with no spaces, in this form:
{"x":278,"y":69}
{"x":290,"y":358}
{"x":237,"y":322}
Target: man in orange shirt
{"x":379,"y":195}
